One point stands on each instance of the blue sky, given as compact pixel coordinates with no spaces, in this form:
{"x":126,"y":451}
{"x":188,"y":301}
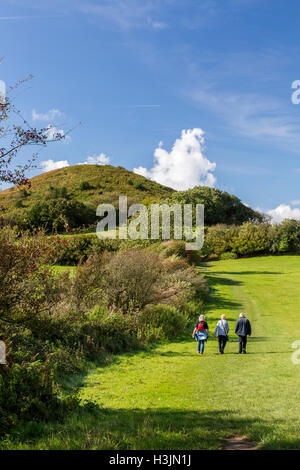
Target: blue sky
{"x":139,"y":73}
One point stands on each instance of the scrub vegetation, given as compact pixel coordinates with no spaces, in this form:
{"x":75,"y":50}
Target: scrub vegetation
{"x":168,"y":397}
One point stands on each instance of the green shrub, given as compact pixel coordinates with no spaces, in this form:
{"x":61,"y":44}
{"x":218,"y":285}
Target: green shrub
{"x":23,"y":193}
{"x":289,"y":236}
{"x":228,"y":255}
{"x":110,"y":332}
{"x":71,"y":250}
{"x":130,"y":279}
{"x":27,"y":391}
{"x":161,"y":322}
{"x":58,"y":215}
{"x":139,"y":185}
{"x":174,"y":248}
{"x":85,"y":186}
{"x":53,"y":323}
{"x":18,"y":203}
{"x":64,"y":192}
{"x":220,"y":207}
{"x":218,"y":239}
{"x":250,"y":239}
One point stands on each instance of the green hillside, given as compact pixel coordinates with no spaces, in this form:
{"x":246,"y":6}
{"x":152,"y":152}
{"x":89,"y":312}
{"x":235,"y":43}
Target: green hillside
{"x":90,"y":184}
{"x":73,"y":194}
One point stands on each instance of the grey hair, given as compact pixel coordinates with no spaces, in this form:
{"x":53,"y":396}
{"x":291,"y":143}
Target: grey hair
{"x":242,"y":315}
{"x":202,"y":318}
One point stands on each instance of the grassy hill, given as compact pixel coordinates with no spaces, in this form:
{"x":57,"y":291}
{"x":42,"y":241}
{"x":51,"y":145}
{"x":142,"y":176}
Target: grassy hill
{"x":90,"y":184}
{"x":76,"y":191}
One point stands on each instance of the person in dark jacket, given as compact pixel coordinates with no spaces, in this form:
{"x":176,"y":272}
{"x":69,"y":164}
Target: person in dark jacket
{"x":242,"y":330}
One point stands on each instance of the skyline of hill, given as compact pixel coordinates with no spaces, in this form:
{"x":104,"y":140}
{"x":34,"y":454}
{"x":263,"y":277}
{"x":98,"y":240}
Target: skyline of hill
{"x":92,"y":185}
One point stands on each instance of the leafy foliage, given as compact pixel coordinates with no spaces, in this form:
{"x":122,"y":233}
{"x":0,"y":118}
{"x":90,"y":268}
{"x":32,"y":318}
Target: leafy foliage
{"x":251,"y":239}
{"x":52,"y":323}
{"x":58,"y":215}
{"x":220,"y":207}
{"x":161,"y":322}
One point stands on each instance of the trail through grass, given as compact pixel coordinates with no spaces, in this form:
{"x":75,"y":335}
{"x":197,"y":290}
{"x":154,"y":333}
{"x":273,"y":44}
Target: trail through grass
{"x":172,"y":398}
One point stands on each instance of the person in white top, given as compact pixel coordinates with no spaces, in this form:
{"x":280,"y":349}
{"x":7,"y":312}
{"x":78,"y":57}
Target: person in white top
{"x":222,"y":330}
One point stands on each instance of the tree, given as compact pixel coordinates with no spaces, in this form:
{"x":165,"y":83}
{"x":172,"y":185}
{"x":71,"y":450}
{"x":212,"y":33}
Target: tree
{"x":15,"y":134}
{"x":27,"y":287}
{"x":58,"y":215}
{"x":220,"y":207}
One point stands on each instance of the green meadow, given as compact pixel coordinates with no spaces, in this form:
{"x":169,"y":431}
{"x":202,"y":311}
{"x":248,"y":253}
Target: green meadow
{"x":169,"y":397}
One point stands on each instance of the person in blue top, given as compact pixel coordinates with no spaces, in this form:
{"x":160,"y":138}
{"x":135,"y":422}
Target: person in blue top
{"x":222,"y":330}
{"x":201,"y":333}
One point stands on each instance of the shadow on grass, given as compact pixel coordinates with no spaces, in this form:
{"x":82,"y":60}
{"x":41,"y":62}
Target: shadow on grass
{"x":93,"y":427}
{"x":224,"y":281}
{"x":218,"y":301}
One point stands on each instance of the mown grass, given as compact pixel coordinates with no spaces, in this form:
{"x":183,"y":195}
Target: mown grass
{"x":169,"y":397}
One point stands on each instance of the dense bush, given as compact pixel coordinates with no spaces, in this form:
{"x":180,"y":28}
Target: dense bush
{"x":84,"y":186}
{"x":28,"y":294}
{"x":228,"y":255}
{"x":139,"y":185}
{"x":27,"y":391}
{"x":72,"y":249}
{"x":52,"y":323}
{"x":218,"y":239}
{"x":174,"y":248}
{"x":128,"y":281}
{"x":56,"y":193}
{"x":161,"y":322}
{"x":220,"y":207}
{"x":19,"y":203}
{"x":132,"y":279}
{"x":57,"y":215}
{"x":251,"y":239}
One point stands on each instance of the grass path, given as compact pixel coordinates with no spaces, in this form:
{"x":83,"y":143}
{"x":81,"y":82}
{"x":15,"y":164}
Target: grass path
{"x":172,"y":398}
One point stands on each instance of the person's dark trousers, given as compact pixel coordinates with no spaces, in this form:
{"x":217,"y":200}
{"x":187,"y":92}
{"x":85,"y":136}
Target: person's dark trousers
{"x":242,"y":343}
{"x":222,"y":340}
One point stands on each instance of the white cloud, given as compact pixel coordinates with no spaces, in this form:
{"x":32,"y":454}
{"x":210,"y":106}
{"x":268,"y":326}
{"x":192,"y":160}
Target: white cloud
{"x":184,"y":166}
{"x":282,"y":212}
{"x":296,"y":202}
{"x":100,"y":159}
{"x":49,"y":165}
{"x":53,"y":133}
{"x":48,"y":116}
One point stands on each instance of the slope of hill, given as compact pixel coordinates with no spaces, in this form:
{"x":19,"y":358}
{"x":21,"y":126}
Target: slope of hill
{"x":90,"y":184}
{"x":75,"y":192}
